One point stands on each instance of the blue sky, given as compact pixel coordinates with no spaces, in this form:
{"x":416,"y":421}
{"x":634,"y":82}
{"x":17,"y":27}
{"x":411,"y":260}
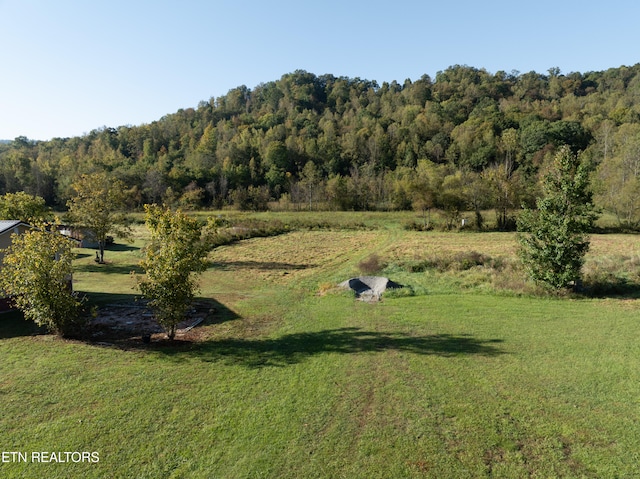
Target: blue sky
{"x":68,"y":67}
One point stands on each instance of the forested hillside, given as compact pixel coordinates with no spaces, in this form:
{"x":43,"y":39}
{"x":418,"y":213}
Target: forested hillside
{"x":466,"y":140}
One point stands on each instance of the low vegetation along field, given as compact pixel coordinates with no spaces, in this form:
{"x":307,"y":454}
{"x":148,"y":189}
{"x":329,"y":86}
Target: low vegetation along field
{"x":466,"y":371}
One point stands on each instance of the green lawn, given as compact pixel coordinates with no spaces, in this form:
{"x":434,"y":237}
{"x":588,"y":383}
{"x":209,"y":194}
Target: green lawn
{"x":458,"y":381}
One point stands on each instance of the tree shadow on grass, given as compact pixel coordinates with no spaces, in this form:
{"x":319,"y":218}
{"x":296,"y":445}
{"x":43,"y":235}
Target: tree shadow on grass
{"x":13,"y":325}
{"x":260,"y":265}
{"x":297,"y":347}
{"x":614,"y":288}
{"x":121,"y":247}
{"x":108,"y":268}
{"x":127,"y":321}
{"x":103,"y":299}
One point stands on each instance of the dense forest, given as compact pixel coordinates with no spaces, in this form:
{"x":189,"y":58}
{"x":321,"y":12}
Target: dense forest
{"x":467,"y":140}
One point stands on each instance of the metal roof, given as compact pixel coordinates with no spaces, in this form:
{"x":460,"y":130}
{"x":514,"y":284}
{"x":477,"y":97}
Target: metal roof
{"x":6,"y":225}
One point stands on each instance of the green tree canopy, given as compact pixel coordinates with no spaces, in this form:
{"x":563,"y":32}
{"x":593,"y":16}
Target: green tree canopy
{"x":263,"y":137}
{"x":618,"y":177}
{"x":24,"y":207}
{"x":554,"y":237}
{"x":424,"y":188}
{"x":98,"y":205}
{"x":36,"y":273}
{"x":176,"y":251}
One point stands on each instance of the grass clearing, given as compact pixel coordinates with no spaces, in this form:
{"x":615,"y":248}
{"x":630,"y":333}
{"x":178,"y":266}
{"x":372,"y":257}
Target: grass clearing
{"x":457,"y":381}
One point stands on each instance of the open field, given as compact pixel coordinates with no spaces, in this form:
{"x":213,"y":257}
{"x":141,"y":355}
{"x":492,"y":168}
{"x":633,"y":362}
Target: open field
{"x":290,"y":378}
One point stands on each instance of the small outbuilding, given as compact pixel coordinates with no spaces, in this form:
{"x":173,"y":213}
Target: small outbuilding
{"x":7,"y":229}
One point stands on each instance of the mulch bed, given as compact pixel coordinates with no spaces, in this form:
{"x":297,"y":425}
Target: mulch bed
{"x":135,"y":321}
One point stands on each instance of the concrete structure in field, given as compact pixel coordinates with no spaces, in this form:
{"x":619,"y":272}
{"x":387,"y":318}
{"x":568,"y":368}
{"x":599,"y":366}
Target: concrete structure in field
{"x":369,"y":288}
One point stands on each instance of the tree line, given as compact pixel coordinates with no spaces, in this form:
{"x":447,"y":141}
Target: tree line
{"x":465,"y":140}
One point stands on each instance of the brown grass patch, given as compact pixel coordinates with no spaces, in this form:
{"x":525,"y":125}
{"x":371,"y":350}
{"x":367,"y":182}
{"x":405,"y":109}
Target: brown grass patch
{"x":419,"y":246}
{"x":286,"y":258}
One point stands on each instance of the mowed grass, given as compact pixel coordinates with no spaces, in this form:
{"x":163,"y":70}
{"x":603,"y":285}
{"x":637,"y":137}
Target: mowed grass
{"x":455,"y":382}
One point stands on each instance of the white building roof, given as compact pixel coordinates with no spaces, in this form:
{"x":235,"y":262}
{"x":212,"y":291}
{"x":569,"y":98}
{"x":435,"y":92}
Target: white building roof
{"x":6,"y":225}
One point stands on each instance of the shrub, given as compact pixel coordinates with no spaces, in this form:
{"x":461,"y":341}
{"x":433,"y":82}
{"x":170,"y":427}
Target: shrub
{"x":220,"y":231}
{"x":612,"y":275}
{"x":417,"y":226}
{"x":371,"y":265}
{"x":460,"y":261}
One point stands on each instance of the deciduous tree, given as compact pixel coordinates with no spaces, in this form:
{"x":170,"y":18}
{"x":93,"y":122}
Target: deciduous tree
{"x":98,"y":206}
{"x":310,"y":179}
{"x":424,"y":188}
{"x":36,"y":273}
{"x":25,"y":207}
{"x":175,"y":253}
{"x":618,"y":178}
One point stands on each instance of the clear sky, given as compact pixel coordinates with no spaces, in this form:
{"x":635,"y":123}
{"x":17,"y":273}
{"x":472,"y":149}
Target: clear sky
{"x":70,"y":66}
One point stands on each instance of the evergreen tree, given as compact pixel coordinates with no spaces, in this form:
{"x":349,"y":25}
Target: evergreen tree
{"x":554,"y":237}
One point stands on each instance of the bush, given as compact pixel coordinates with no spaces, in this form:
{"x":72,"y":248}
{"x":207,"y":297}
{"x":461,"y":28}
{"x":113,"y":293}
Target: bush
{"x":417,"y":226}
{"x":371,"y":265}
{"x":36,"y":273}
{"x":221,"y":231}
{"x":460,"y":261}
{"x":314,"y":224}
{"x":614,"y":275}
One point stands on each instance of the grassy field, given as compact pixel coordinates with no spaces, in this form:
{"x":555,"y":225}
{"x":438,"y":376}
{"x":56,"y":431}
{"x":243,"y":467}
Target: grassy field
{"x":469,"y":375}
